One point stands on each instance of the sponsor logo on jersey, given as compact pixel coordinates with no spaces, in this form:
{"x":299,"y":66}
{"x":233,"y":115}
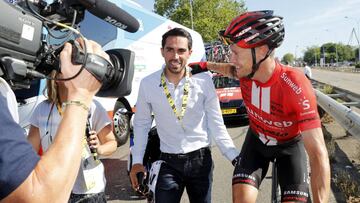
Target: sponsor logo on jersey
{"x":291,"y":84}
{"x":279,"y":124}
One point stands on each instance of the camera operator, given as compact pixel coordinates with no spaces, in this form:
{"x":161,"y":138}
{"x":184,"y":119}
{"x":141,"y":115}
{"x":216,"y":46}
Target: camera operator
{"x":24,"y":176}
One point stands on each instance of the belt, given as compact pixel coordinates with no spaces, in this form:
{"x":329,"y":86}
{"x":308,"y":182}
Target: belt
{"x":200,"y":152}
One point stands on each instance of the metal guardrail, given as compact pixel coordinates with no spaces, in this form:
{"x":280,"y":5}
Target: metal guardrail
{"x":348,"y":69}
{"x":348,"y":98}
{"x":345,"y":116}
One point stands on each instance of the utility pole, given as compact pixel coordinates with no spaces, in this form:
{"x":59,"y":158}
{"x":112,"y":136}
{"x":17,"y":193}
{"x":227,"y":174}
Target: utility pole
{"x":191,"y":15}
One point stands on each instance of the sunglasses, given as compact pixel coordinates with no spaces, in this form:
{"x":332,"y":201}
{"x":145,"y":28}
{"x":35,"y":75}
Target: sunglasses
{"x":226,"y":39}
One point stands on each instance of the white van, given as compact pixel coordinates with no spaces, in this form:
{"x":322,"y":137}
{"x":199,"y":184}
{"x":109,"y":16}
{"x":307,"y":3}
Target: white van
{"x":145,"y":43}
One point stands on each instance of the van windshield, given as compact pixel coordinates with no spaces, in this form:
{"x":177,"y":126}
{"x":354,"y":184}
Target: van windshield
{"x":222,"y":82}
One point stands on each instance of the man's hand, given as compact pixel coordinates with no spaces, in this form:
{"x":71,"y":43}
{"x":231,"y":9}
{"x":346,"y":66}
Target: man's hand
{"x":135,"y":169}
{"x":85,"y":85}
{"x":93,"y":140}
{"x":198,"y":67}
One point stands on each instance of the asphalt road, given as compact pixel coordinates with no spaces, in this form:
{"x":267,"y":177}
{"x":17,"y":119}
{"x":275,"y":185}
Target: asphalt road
{"x":344,"y":80}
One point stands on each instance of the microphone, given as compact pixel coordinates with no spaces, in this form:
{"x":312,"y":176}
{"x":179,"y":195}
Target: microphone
{"x":112,"y":14}
{"x":87,"y":133}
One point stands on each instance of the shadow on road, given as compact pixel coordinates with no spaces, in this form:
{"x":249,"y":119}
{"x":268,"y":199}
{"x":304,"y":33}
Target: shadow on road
{"x":118,"y":183}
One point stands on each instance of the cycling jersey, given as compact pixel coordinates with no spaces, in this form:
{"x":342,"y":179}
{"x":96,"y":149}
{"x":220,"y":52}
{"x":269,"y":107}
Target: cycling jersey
{"x":282,"y":107}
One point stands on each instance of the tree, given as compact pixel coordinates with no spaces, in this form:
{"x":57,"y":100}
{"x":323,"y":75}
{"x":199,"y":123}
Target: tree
{"x":312,"y":55}
{"x":209,"y":16}
{"x":288,"y":58}
{"x":333,"y":53}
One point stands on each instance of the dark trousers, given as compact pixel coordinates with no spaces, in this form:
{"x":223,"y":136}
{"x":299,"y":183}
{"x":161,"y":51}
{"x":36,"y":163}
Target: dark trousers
{"x":88,"y":198}
{"x":193,"y":171}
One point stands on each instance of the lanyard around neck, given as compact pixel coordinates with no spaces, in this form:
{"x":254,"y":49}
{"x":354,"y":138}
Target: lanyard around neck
{"x":179,"y":115}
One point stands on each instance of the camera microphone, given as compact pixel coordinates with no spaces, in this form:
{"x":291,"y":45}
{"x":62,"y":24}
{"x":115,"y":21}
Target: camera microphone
{"x":112,"y":14}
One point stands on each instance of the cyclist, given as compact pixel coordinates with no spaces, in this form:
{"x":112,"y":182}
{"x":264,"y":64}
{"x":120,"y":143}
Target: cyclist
{"x":282,"y":111}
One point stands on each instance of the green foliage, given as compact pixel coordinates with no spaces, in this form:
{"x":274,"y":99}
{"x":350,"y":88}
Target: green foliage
{"x":357,"y":65}
{"x":334,"y":52}
{"x":312,"y":55}
{"x":288,"y":58}
{"x":209,"y":16}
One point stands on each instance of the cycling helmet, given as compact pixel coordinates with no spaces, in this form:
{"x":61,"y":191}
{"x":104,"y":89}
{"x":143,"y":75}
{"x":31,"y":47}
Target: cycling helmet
{"x":253,"y":29}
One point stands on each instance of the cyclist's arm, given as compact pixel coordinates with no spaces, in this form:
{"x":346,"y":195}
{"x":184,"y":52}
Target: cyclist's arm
{"x":226,"y":69}
{"x":319,"y":163}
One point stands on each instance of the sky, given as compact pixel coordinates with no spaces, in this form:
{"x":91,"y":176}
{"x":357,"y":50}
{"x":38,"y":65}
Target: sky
{"x":307,"y":22}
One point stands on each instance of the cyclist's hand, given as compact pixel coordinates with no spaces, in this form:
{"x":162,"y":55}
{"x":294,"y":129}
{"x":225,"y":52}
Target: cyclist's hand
{"x":135,"y":169}
{"x":198,"y":67}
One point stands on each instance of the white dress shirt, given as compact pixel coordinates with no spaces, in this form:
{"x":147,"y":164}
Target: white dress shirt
{"x":201,"y":122}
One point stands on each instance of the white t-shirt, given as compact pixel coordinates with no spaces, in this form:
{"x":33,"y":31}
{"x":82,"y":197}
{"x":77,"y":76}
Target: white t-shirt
{"x":91,"y":177}
{"x":7,"y":92}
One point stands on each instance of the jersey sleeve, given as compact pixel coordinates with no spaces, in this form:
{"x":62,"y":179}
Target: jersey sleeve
{"x":303,"y":101}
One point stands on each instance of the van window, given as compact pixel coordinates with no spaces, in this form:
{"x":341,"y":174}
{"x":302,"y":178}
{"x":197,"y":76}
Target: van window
{"x":97,"y":29}
{"x":222,"y":82}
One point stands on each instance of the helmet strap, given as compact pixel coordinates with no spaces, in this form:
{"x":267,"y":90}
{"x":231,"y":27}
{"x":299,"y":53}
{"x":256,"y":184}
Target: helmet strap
{"x":255,"y":65}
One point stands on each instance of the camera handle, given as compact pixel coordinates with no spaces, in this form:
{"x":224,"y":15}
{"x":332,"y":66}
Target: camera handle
{"x":98,"y":66}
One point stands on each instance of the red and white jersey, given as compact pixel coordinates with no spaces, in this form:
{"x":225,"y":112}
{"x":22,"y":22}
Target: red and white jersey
{"x":283,"y":106}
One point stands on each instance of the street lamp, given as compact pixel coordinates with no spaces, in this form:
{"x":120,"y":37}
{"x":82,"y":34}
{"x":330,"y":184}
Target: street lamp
{"x":357,"y":34}
{"x":315,"y":52}
{"x":336,"y":52}
{"x":324,"y":58}
{"x":295,"y":53}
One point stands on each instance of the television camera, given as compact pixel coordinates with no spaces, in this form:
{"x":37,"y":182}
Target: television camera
{"x":33,"y":33}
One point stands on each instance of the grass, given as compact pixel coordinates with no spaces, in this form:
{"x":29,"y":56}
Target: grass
{"x":327,"y":89}
{"x":349,"y":187}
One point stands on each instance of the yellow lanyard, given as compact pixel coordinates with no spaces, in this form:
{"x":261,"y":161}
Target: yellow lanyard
{"x":179,"y":115}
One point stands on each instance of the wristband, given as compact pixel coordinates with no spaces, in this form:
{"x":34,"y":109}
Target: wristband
{"x":77,"y":103}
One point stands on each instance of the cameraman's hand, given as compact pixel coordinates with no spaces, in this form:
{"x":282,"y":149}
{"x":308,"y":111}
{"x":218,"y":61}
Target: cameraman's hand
{"x":135,"y":169}
{"x":85,"y":85}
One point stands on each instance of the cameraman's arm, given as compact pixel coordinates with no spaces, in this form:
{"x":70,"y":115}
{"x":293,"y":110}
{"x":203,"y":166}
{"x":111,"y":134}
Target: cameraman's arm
{"x":53,"y":177}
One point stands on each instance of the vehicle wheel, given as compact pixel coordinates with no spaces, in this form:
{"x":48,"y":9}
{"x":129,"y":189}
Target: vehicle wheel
{"x":121,"y":124}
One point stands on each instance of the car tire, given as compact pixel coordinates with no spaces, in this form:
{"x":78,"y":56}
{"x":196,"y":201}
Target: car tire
{"x":121,"y":124}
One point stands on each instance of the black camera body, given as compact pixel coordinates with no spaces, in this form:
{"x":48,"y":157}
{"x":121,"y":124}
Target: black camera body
{"x":26,"y":54}
{"x":20,"y":43}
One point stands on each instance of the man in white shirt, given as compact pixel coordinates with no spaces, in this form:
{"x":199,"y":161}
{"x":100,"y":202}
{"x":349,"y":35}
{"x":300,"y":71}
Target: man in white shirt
{"x":188,"y":116}
{"x":307,"y":71}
